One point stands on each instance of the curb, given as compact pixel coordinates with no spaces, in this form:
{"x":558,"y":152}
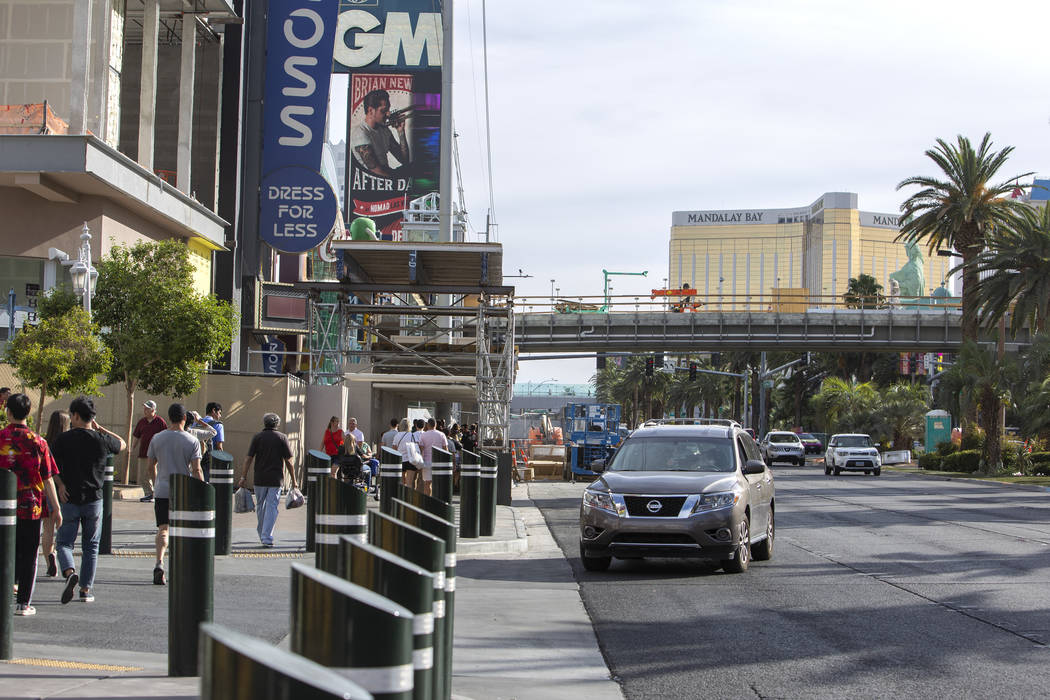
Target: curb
{"x":519,"y":544}
{"x":989,"y":482}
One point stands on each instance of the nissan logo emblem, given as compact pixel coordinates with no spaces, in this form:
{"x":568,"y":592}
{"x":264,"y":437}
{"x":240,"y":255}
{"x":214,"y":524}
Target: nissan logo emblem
{"x":654,"y":506}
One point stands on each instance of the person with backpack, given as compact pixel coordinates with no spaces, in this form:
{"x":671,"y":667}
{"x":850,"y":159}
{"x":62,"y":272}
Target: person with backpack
{"x":213,"y":418}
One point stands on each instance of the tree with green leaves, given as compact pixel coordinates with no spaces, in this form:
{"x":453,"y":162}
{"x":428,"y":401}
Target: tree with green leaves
{"x":62,"y":353}
{"x":985,"y":382}
{"x":961,"y":207}
{"x":864,"y":292}
{"x":901,"y":413}
{"x":1014,"y":271}
{"x":842,"y":402}
{"x":162,"y":333}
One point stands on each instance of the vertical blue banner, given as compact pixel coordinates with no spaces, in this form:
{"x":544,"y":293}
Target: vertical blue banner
{"x":297,"y":207}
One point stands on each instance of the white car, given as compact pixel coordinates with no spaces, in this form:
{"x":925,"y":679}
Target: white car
{"x":782,"y":446}
{"x":852,"y":452}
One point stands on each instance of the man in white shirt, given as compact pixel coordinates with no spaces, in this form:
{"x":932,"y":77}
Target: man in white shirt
{"x":352,"y":429}
{"x":387,"y":439}
{"x":431,"y":438}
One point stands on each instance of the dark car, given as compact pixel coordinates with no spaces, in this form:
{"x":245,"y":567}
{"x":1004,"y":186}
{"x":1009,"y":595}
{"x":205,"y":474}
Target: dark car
{"x":699,"y":491}
{"x":812,"y":444}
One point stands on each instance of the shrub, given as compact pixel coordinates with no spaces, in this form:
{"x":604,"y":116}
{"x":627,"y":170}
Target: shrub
{"x":967,"y":461}
{"x":946,"y":448}
{"x":1011,"y":458}
{"x":1041,"y":469}
{"x":930,"y":461}
{"x":1040,"y":457}
{"x":972,"y":439}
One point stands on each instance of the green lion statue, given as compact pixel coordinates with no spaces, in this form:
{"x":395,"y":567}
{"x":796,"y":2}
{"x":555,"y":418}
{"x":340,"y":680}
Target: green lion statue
{"x":911,"y":278}
{"x":362,"y":229}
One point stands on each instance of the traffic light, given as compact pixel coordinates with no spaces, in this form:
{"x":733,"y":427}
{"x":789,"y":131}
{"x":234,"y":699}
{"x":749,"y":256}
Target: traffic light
{"x":692,"y":371}
{"x":649,"y":366}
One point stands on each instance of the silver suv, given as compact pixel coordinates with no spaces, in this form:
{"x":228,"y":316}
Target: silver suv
{"x":782,"y":446}
{"x":698,"y":491}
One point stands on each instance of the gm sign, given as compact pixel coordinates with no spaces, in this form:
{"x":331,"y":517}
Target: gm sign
{"x":297,"y":207}
{"x":398,"y":44}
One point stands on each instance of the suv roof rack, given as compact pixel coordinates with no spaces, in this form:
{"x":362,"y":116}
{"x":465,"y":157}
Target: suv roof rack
{"x":726,"y":422}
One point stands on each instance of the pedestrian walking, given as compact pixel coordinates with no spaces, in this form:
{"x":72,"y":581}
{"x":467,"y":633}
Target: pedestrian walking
{"x":401,"y":440}
{"x":213,"y":418}
{"x":172,"y":451}
{"x":332,"y":439}
{"x":430,"y":438}
{"x":270,"y":453}
{"x":81,"y":454}
{"x":27,"y":455}
{"x":56,"y":425}
{"x":149,"y":425}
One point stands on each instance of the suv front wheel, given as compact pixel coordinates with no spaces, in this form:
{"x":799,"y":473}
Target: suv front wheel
{"x":594,"y":563}
{"x":738,"y":564}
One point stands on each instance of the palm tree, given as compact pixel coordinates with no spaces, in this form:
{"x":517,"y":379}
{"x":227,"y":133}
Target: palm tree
{"x":864,"y":292}
{"x":1016,"y":271}
{"x":962,"y":210}
{"x":985,"y":381}
{"x":901,"y":411}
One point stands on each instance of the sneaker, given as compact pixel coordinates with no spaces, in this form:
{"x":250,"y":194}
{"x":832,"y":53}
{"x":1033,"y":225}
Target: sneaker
{"x":158,"y":576}
{"x":71,"y":582}
{"x":267,"y":545}
{"x":52,"y":566}
{"x":146,"y":499}
{"x":25,"y":610}
{"x":87,"y":596}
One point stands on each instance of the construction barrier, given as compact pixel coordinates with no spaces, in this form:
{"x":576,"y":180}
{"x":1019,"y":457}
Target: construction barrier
{"x":191,"y":532}
{"x":237,"y":667}
{"x":369,"y":637}
{"x":341,"y":510}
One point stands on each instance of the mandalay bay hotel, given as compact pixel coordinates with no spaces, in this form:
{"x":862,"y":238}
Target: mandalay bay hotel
{"x":789,"y":259}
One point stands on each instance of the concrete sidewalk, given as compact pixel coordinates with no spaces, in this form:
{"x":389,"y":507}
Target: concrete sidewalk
{"x":521,"y":629}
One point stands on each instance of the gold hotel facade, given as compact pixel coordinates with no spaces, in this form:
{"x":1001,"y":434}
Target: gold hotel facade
{"x":753,"y":256}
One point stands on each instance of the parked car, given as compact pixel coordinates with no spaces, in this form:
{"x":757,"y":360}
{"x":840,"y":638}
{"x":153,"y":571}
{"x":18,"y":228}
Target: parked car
{"x":751,"y":432}
{"x":852,"y":452}
{"x":699,"y":491}
{"x":812,"y":444}
{"x":782,"y":446}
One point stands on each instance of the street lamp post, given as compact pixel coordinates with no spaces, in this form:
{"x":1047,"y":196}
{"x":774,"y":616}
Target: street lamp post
{"x":82,"y":272}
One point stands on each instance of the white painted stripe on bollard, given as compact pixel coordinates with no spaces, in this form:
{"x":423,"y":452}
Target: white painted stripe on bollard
{"x":222,"y":472}
{"x":328,"y":537}
{"x":319,"y":470}
{"x":439,"y":580}
{"x":8,"y":520}
{"x":337,"y":519}
{"x":221,"y":481}
{"x":198,"y":532}
{"x":423,"y":659}
{"x":423,"y":623}
{"x":450,"y":559}
{"x":450,"y":584}
{"x":8,"y":505}
{"x":384,"y":679}
{"x":191,"y":515}
{"x":439,"y":609}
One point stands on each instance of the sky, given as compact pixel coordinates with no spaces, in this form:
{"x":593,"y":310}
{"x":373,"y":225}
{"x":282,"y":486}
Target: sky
{"x":608,"y":115}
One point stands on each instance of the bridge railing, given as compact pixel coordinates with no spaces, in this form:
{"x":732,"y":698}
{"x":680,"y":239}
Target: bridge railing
{"x":786,"y":302}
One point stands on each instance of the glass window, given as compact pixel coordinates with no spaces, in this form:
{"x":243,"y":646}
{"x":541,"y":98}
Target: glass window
{"x":784,"y":437}
{"x":687,"y":454}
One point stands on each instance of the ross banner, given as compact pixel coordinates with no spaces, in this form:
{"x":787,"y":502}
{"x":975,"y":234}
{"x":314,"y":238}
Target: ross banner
{"x":297,"y":207}
{"x":392,"y":51}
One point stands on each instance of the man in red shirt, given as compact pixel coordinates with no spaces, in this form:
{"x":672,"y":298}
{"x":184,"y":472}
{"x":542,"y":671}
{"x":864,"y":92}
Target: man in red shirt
{"x":149,"y":425}
{"x":28,"y":456}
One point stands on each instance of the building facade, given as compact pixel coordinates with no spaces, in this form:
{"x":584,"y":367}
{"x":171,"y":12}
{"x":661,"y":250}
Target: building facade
{"x":750,"y":257}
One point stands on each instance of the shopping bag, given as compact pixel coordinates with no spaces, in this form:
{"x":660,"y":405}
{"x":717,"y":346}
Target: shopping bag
{"x":295,"y":499}
{"x":243,"y":501}
{"x":415,"y":457}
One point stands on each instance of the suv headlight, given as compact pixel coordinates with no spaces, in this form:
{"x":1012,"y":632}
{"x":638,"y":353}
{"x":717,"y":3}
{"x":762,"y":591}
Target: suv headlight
{"x":599,"y":500}
{"x":716,"y":501}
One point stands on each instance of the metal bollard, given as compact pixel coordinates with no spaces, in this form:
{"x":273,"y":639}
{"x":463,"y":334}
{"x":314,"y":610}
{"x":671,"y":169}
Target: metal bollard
{"x":404,"y":583}
{"x":317,"y":464}
{"x":487,"y":499}
{"x":428,"y":503}
{"x":446,"y":530}
{"x":422,"y":549}
{"x":191,"y":532}
{"x":341,"y":510}
{"x":235,"y":666}
{"x":105,"y":538}
{"x":442,"y":474}
{"x":8,"y":521}
{"x":358,"y":633}
{"x":469,"y":495}
{"x":504,"y":478}
{"x":222,"y":481}
{"x":389,"y":474}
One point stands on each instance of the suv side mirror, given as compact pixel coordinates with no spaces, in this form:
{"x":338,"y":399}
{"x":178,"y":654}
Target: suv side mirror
{"x":754,"y":466}
{"x":598,"y":466}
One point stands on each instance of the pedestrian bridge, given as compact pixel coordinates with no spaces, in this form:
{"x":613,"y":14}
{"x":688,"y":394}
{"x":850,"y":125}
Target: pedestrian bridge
{"x":916,"y":329}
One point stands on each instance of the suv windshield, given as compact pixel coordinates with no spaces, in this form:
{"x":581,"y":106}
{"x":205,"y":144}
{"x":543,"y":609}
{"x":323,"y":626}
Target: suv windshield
{"x":783,"y":437}
{"x":806,"y":436}
{"x":674,"y":454}
{"x":852,"y":441}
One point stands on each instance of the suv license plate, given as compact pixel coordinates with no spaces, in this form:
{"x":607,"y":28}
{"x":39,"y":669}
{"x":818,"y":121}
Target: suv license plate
{"x":856,"y":463}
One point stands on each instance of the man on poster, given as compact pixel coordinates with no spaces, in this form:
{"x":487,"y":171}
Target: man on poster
{"x":372,"y":140}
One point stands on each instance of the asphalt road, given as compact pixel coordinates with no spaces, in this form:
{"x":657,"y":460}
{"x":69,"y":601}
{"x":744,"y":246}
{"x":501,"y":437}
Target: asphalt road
{"x":897,"y":586}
